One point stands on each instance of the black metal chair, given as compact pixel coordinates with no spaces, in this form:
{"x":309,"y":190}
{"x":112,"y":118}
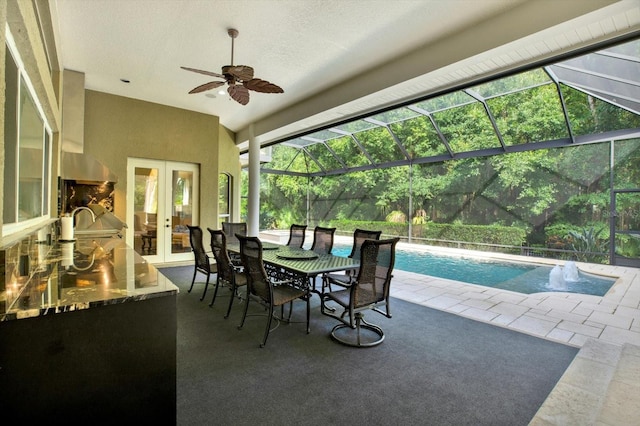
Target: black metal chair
{"x":296,"y":235}
{"x":346,"y":278}
{"x":262,"y":289}
{"x":202,"y":261}
{"x":230,"y":230}
{"x":369,"y":291}
{"x":228,"y":274}
{"x":323,"y":240}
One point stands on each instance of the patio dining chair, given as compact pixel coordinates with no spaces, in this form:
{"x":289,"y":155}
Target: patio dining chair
{"x":265,"y":290}
{"x":323,"y":240}
{"x":203,"y":263}
{"x":228,"y":273}
{"x":369,"y":291}
{"x":345,"y":278}
{"x":296,"y":235}
{"x":230,"y":230}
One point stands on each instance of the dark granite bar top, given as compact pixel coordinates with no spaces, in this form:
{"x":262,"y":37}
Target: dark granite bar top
{"x":83,"y":274}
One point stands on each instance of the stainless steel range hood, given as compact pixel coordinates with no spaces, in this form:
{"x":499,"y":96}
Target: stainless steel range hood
{"x":75,"y":164}
{"x":83,"y":167}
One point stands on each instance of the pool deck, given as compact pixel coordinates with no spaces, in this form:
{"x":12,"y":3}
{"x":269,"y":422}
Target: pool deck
{"x":569,"y":318}
{"x":602,"y":385}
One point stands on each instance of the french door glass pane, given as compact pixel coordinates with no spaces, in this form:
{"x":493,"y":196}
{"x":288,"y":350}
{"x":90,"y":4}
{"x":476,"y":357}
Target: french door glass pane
{"x":146,"y":210}
{"x":181,"y":210}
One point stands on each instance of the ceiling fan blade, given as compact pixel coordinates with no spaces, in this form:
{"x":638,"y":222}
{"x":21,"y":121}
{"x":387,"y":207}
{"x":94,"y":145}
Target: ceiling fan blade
{"x":207,"y":86}
{"x":239,"y":93}
{"x":241,"y":72}
{"x":209,"y":73}
{"x":262,"y":86}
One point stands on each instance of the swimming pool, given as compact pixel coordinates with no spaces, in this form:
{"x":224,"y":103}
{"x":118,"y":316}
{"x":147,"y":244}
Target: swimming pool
{"x":522,"y":278}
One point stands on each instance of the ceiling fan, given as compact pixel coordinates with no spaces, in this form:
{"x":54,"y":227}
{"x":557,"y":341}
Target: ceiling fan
{"x":239,"y":78}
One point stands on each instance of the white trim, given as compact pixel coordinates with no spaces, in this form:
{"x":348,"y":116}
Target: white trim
{"x":23,"y":78}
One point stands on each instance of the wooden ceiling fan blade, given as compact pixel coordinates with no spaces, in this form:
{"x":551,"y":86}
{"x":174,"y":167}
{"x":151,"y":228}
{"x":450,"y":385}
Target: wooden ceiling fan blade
{"x":263,"y":86}
{"x":239,"y":94}
{"x":209,"y":73}
{"x":207,"y":86}
{"x":241,"y":72}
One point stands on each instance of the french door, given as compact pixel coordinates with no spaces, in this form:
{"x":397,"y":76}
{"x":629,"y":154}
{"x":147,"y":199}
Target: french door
{"x":162,"y":199}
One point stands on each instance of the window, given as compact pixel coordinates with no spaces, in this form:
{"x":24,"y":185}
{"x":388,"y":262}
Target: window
{"x":27,"y":185}
{"x":224,"y":198}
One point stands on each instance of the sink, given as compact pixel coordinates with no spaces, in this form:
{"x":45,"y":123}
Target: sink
{"x":96,"y":245}
{"x":94,"y":221}
{"x":96,"y":233}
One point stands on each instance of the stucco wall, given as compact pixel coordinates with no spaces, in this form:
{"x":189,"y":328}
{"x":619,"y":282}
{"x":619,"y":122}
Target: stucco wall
{"x":117,"y":128}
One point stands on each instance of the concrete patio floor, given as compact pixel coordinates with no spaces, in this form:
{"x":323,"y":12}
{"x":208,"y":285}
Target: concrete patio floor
{"x":602,"y":385}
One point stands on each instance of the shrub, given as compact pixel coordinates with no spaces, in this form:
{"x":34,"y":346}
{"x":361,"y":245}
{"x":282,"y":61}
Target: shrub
{"x":490,"y":234}
{"x":397,"y":217}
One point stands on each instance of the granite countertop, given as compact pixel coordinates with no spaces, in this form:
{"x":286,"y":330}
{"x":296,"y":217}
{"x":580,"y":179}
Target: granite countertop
{"x":84,"y":274}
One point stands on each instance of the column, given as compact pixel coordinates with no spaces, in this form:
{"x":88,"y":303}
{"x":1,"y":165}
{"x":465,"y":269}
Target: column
{"x":253,"y":203}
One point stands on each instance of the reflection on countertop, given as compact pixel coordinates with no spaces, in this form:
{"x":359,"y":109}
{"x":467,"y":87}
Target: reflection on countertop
{"x":82,"y":274}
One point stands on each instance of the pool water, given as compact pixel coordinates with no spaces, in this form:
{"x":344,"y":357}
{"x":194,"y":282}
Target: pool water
{"x":517,"y":277}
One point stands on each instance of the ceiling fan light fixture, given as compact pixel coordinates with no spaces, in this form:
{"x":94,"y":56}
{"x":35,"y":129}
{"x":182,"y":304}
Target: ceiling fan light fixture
{"x":239,"y":79}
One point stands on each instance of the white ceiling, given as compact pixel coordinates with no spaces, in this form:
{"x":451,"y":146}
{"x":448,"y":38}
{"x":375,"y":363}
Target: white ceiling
{"x":333,"y":58}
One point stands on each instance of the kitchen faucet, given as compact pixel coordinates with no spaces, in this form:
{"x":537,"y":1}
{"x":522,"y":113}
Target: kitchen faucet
{"x":93,"y":215}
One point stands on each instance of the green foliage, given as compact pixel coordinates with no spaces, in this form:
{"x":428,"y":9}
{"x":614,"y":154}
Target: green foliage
{"x":418,"y":220}
{"x":627,"y":245}
{"x":396,"y":216}
{"x":492,"y":234}
{"x":531,"y":197}
{"x":587,"y":242}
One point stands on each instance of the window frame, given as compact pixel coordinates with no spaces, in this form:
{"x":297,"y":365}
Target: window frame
{"x":225,"y":216}
{"x":24,"y":83}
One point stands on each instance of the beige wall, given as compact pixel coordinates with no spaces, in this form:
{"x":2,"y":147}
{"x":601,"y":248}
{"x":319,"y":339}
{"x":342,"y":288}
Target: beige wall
{"x":117,"y":128}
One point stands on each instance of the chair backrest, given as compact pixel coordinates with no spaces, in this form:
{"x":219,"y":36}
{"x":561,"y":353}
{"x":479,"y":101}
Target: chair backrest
{"x":219,"y":249}
{"x":152,"y":219}
{"x":323,"y":240}
{"x":296,"y":235}
{"x":232,"y":228}
{"x":195,"y":239}
{"x":137,"y":223}
{"x":359,"y":235}
{"x":377,"y":258}
{"x":257,"y":279}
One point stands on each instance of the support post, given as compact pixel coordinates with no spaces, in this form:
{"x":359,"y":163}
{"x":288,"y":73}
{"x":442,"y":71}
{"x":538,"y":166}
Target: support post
{"x":253,"y":203}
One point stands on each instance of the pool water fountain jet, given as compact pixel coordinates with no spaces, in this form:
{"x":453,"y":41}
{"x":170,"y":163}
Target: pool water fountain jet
{"x":570,"y":272}
{"x":556,"y":278}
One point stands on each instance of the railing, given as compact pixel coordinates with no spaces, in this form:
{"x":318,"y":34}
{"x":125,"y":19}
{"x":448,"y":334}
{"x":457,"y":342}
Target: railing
{"x":544,"y":252}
